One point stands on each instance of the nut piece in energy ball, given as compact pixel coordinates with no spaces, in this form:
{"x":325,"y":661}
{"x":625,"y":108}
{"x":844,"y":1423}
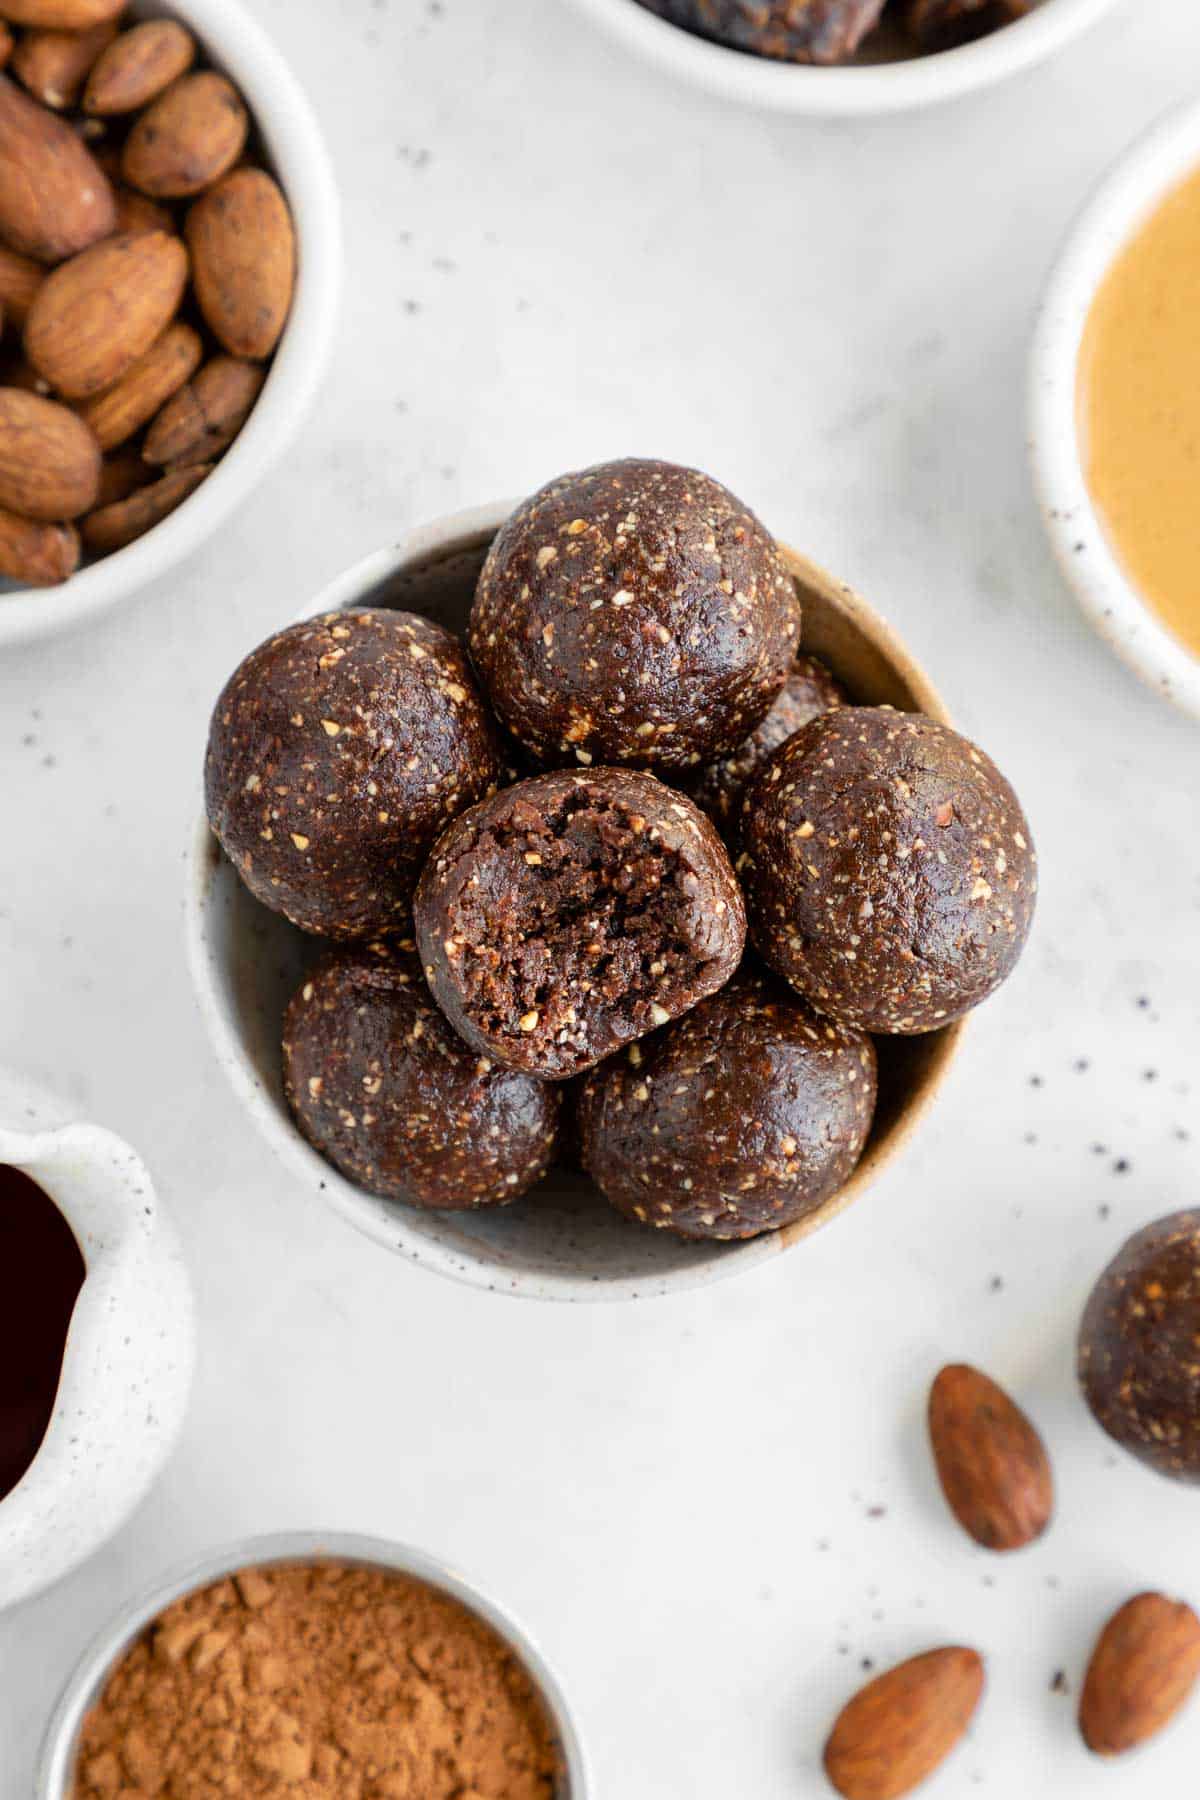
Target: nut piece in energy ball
{"x":1139,"y":1365}
{"x":802,"y":31}
{"x":573,"y":913}
{"x":889,"y":871}
{"x":338,"y":751}
{"x":744,"y":1116}
{"x":635,"y":612}
{"x":385,"y":1091}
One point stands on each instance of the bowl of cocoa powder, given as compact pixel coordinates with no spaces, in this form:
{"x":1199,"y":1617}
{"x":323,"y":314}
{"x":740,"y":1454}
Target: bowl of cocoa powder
{"x":334,"y":1665}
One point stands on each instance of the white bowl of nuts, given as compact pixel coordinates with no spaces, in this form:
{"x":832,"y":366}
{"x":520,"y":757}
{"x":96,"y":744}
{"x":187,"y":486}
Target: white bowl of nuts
{"x":169,"y":276}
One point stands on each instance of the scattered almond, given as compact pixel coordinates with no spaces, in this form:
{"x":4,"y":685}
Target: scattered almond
{"x":899,"y":1728}
{"x":188,"y":139}
{"x":49,"y":460}
{"x":243,"y":261}
{"x":124,"y":408}
{"x":54,"y":199}
{"x":20,"y":279}
{"x":992,"y":1464}
{"x":53,"y":65}
{"x":204,"y":417}
{"x":96,"y":315}
{"x":112,"y":527}
{"x":36,"y":555}
{"x":1142,"y":1670}
{"x":139,"y":66}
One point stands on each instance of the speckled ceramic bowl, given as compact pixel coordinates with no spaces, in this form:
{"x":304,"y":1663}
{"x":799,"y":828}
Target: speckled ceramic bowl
{"x":54,"y":1776}
{"x":562,"y":1242}
{"x":129,"y":1354}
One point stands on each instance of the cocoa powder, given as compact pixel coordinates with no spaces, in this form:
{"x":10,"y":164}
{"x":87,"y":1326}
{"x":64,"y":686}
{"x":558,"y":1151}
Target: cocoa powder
{"x":320,"y":1681}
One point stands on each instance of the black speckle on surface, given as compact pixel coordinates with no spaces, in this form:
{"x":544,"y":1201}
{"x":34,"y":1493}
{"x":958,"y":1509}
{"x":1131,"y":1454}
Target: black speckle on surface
{"x":1030,"y":1137}
{"x":877,"y":1512}
{"x":866,"y":1664}
{"x":996,"y":1284}
{"x":1059,"y":1683}
{"x":1121,"y":1166}
{"x":1104,"y":1209}
{"x":1149,"y":1074}
{"x":1081,"y":1065}
{"x":1037,"y":1081}
{"x":1099,"y":1149}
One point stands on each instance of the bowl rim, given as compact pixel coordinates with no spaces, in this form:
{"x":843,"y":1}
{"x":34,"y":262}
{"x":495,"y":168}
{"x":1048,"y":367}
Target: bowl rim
{"x":1126,"y":196}
{"x":388,"y":1224}
{"x":850,"y":92}
{"x":109,"y":1644}
{"x":285,"y":117}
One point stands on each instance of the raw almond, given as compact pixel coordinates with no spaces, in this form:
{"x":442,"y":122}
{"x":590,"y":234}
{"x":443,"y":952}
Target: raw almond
{"x":38,"y":555}
{"x":243,"y":261}
{"x":112,"y":527}
{"x":139,"y":66}
{"x":124,"y":408}
{"x":1142,"y":1670}
{"x":54,"y":198}
{"x":20,"y":279}
{"x":992,"y":1464}
{"x":62,"y":15}
{"x":97,"y":314}
{"x":53,"y":65}
{"x":49,"y":460}
{"x":135,"y":212}
{"x":899,"y":1728}
{"x":203,"y":418}
{"x":6,"y":44}
{"x":188,"y":139}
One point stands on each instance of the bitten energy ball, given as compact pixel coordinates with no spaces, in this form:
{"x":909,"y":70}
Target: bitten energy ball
{"x":573,"y":913}
{"x":889,"y":870}
{"x":802,"y":31}
{"x":338,"y":751}
{"x":1139,"y":1347}
{"x":382,"y":1087}
{"x":635,"y":612}
{"x":741,"y":1117}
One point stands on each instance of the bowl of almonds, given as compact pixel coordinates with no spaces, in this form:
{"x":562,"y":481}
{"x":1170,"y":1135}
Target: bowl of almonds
{"x":169,"y":272}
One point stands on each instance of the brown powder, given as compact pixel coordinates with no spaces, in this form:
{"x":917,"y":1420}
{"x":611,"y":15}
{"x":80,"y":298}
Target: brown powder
{"x":317,"y":1682}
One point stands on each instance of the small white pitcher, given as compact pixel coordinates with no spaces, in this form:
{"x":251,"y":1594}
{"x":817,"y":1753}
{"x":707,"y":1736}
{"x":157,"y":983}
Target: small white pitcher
{"x":130,"y":1351}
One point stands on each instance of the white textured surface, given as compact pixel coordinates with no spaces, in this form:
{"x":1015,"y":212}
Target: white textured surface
{"x":557,"y":257}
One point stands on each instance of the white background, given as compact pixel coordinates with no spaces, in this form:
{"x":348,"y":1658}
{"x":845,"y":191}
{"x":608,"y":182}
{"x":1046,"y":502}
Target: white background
{"x":554,"y":257}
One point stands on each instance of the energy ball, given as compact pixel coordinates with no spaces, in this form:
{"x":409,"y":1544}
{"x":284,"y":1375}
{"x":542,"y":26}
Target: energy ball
{"x":801,"y":31}
{"x":741,"y":1117}
{"x":573,"y":913}
{"x":1139,"y":1361}
{"x":338,"y":752}
{"x":381,"y":1087}
{"x":889,"y":871}
{"x":633,"y":613}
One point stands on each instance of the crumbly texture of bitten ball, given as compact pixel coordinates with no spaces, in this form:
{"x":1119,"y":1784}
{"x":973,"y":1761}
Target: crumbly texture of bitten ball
{"x":1139,"y":1361}
{"x":633,"y":613}
{"x":381,"y":1086}
{"x":573,"y":913}
{"x":809,"y":689}
{"x":889,"y":870}
{"x":740,"y":1118}
{"x":338,"y":752}
{"x":801,"y":31}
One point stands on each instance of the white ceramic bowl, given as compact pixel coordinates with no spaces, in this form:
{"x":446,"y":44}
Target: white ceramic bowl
{"x":53,"y":1781}
{"x":1126,"y":198}
{"x":295,"y":150}
{"x":562,"y":1242}
{"x":880,"y":80}
{"x":129,"y":1354}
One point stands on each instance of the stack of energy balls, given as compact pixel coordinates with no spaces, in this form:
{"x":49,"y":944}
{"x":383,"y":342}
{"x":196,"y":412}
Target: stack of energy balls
{"x":519,"y":964}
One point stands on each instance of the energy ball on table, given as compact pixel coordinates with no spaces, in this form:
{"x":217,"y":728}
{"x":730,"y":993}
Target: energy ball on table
{"x":338,"y":751}
{"x":889,"y":870}
{"x":573,"y":913}
{"x":381,"y":1086}
{"x":633,"y":613}
{"x":802,"y":31}
{"x":741,"y":1117}
{"x":1139,"y":1360}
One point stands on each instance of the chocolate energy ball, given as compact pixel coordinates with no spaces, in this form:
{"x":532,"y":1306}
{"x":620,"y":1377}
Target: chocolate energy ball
{"x":741,"y":1117}
{"x":573,"y":913}
{"x":338,"y":751}
{"x":801,"y":31}
{"x":633,"y":613}
{"x":889,"y":870}
{"x":1139,"y":1347}
{"x":381,"y":1086}
{"x":809,"y":689}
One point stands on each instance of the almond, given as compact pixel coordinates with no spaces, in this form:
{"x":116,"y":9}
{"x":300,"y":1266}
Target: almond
{"x":901,"y":1726}
{"x":112,"y":527}
{"x":203,"y":418}
{"x":97,"y":314}
{"x":53,"y":65}
{"x":990,"y":1461}
{"x":6,"y":44}
{"x":122,"y":409}
{"x":1142,"y":1670}
{"x":188,"y":139}
{"x":38,"y":555}
{"x":243,"y":261}
{"x":54,"y":199}
{"x":139,"y":66}
{"x":137,"y":213}
{"x":20,"y":279}
{"x":62,"y":15}
{"x":49,"y":460}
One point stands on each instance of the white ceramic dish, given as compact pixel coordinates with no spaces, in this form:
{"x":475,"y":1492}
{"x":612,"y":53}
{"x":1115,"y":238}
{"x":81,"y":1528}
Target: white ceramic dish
{"x":879,"y":81}
{"x":294,"y":147}
{"x":562,"y":1242}
{"x":53,"y":1780}
{"x":1142,"y":178}
{"x":129,"y":1354}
